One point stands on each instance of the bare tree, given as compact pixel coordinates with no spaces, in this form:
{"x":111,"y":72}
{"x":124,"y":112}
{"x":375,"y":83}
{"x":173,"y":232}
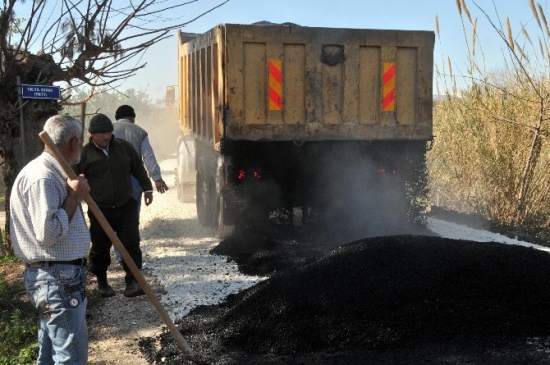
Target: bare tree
{"x":78,"y":43}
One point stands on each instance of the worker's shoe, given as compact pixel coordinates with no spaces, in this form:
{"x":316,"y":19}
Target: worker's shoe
{"x":103,"y":287}
{"x":133,"y":290}
{"x":105,"y":290}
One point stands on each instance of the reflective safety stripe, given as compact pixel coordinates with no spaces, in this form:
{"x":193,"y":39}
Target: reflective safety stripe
{"x":388,"y":87}
{"x":275,"y":85}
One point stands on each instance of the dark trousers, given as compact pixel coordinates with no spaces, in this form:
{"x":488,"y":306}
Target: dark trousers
{"x":125,"y":222}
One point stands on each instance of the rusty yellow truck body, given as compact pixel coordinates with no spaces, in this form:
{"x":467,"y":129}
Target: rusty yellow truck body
{"x":283,"y":100}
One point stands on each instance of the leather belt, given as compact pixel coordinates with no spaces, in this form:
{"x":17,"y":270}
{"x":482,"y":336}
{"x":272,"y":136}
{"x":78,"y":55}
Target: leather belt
{"x":77,"y":262}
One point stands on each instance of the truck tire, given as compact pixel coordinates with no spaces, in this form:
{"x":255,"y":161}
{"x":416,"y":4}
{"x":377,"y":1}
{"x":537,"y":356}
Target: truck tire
{"x":221,"y":229}
{"x":204,"y":194}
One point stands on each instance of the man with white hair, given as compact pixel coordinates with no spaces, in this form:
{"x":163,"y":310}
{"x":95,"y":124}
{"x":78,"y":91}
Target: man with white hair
{"x":49,"y":234}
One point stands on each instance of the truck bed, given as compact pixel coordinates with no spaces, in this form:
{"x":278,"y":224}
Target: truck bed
{"x":292,"y":83}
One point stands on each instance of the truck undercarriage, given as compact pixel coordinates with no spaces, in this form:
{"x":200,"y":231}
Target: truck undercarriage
{"x":286,"y":182}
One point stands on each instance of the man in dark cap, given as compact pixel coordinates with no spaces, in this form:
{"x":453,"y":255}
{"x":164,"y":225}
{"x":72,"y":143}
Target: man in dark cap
{"x":108,"y":163}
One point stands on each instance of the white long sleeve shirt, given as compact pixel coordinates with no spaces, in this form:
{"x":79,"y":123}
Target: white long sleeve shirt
{"x":40,"y":228}
{"x":138,"y":137}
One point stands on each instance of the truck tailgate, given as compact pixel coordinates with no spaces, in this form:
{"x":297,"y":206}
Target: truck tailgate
{"x":287,"y":82}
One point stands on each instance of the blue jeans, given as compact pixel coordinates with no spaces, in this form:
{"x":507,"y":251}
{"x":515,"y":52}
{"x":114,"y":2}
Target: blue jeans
{"x":59,"y":294}
{"x":136,"y":192}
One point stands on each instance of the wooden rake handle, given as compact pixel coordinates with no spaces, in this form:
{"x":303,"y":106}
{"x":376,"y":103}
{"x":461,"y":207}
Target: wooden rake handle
{"x":190,"y":355}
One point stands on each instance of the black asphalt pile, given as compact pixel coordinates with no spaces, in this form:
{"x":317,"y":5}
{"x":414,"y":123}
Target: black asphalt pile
{"x":264,"y":251}
{"x":396,"y":299}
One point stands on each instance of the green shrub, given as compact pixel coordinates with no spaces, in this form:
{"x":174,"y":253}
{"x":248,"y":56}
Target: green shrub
{"x":18,"y":324}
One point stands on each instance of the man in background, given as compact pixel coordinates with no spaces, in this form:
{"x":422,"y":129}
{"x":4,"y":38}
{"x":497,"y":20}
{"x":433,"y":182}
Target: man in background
{"x":109,"y":163}
{"x":49,"y":234}
{"x":126,"y":129}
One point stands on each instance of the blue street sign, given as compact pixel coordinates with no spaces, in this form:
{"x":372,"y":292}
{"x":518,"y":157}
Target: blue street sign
{"x":40,"y":92}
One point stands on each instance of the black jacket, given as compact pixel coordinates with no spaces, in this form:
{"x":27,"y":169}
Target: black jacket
{"x":109,"y":177}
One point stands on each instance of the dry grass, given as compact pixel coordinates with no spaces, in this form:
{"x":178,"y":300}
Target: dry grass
{"x":490,"y":154}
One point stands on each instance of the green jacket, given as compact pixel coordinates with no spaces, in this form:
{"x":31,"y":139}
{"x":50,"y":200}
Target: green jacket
{"x":109,"y":177}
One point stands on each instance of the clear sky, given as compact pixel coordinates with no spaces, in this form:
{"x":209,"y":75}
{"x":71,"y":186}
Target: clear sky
{"x":161,"y":59}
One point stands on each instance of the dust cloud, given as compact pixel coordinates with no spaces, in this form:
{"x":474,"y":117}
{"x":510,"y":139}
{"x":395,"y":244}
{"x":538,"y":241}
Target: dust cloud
{"x":163,"y":131}
{"x":364,"y":189}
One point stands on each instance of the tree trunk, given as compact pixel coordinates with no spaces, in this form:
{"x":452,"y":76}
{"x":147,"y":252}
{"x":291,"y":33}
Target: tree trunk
{"x":14,"y":145}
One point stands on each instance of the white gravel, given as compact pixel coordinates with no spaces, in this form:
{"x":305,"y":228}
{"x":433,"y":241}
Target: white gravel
{"x":176,"y":247}
{"x":457,"y":231}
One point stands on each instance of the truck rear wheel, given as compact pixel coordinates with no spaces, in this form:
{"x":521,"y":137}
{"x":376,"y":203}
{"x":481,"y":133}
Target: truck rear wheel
{"x":221,"y":229}
{"x":204,"y":210}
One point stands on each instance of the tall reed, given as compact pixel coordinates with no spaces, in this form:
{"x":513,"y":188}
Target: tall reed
{"x":490,"y":154}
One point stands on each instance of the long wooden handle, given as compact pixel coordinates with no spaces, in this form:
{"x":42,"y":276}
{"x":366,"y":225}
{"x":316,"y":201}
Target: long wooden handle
{"x":125,"y":255}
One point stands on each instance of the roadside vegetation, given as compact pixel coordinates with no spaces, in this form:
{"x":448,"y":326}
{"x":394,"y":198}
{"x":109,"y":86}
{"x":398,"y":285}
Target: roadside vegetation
{"x":490,"y":154}
{"x":18,"y":321}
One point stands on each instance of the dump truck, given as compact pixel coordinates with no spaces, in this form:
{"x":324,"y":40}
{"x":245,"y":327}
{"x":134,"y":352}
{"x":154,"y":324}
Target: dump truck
{"x":286,"y":124}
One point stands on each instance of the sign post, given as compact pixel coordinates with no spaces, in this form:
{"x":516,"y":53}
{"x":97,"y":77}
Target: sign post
{"x":29,"y":91}
{"x":21,"y":122}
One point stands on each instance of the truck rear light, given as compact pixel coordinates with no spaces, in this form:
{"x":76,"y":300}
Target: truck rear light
{"x":253,"y":174}
{"x":388,"y":172}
